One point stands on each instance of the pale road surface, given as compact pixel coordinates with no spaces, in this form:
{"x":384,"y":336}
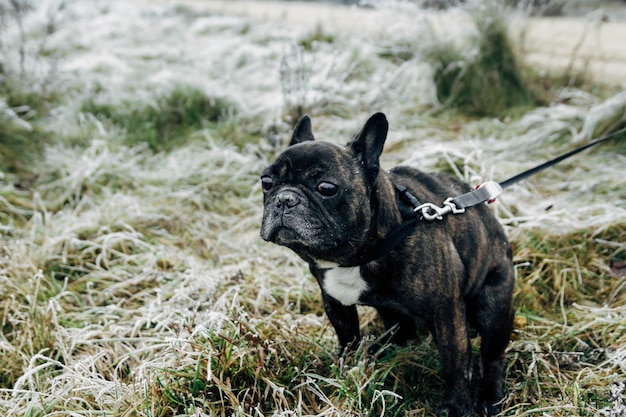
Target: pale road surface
{"x":550,"y":43}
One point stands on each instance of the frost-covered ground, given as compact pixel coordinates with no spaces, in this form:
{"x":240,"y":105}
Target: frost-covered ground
{"x":119,"y":266}
{"x":591,"y":41}
{"x":136,"y":51}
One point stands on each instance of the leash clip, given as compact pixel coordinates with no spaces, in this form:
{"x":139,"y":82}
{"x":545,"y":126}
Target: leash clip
{"x":486,"y":192}
{"x":430,"y":211}
{"x":453,"y":209}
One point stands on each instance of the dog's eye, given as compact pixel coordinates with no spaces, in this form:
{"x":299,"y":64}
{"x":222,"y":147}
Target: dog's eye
{"x":266,"y":183}
{"x":326,"y":189}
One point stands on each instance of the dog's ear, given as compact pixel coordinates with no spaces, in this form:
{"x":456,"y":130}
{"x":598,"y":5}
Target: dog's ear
{"x":368,"y":144}
{"x":302,"y":131}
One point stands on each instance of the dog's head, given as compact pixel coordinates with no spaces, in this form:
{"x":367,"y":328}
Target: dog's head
{"x":321,"y":199}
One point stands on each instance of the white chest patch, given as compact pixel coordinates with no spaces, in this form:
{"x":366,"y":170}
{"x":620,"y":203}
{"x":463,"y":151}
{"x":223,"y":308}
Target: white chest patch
{"x":345,"y":284}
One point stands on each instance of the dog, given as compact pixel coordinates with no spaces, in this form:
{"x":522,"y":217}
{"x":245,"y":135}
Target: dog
{"x":334,"y":207}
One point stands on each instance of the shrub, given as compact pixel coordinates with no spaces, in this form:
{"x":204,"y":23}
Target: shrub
{"x":489,"y":80}
{"x":165,"y":123}
{"x":20,"y":140}
{"x":317,"y":36}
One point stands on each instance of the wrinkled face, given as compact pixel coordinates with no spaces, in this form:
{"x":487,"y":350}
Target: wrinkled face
{"x":315,"y":201}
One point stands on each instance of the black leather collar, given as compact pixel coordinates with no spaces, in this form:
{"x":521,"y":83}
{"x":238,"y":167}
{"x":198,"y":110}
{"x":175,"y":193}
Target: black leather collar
{"x":407,"y":203}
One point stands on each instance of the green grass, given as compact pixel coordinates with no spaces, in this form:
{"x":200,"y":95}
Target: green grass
{"x":22,"y":138}
{"x":318,"y":35}
{"x":255,"y":362}
{"x":165,"y":123}
{"x":20,"y":144}
{"x":569,"y":269}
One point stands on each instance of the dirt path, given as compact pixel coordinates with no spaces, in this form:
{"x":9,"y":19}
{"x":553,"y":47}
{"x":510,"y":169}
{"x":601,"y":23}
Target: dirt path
{"x":591,"y":44}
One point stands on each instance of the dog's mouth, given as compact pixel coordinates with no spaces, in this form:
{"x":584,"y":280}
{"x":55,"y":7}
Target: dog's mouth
{"x":281,"y":234}
{"x":297,"y":231}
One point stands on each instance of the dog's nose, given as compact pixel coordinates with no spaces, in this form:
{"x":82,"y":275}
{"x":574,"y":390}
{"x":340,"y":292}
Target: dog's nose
{"x":287,"y":198}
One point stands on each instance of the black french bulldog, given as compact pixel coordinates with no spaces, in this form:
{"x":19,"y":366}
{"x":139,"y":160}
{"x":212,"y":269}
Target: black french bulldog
{"x":333,"y":206}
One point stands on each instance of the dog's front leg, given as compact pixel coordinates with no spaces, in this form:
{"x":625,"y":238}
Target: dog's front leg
{"x":344,"y":319}
{"x":451,"y":336}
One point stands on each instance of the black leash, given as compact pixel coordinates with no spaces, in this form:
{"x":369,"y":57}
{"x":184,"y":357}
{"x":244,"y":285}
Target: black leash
{"x":489,"y":190}
{"x":486,"y":192}
{"x":521,"y":176}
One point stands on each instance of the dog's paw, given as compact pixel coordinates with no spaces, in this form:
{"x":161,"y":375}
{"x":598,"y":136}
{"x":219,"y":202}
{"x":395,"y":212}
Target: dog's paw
{"x":486,"y":409}
{"x":449,"y":410}
{"x":490,"y":405}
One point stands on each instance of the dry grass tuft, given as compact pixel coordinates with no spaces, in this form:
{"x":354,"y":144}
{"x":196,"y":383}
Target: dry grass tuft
{"x":567,"y":354}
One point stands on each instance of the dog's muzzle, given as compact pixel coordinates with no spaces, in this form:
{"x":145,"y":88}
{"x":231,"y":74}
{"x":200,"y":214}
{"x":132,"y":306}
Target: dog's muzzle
{"x":283,"y":219}
{"x":287,"y":199}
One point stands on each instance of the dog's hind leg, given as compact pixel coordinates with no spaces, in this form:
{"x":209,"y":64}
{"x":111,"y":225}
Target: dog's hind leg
{"x":494,"y":320}
{"x":451,"y":335}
